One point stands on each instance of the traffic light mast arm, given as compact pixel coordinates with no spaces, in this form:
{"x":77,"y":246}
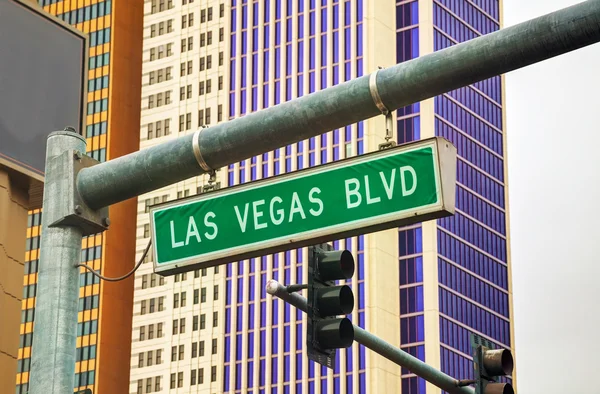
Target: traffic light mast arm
{"x":379,"y":346}
{"x":399,"y":85}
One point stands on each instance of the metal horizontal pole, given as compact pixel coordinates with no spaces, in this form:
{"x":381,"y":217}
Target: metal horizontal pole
{"x":392,"y":353}
{"x":399,"y":85}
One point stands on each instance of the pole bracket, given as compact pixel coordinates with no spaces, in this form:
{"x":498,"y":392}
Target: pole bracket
{"x":198,"y":153}
{"x":389,"y":121}
{"x":74,"y":212}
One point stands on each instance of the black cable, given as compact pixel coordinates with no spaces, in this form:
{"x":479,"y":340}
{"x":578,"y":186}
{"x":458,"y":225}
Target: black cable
{"x":120,"y":277}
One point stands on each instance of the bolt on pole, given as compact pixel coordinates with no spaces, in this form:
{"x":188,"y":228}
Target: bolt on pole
{"x":379,"y":346}
{"x":399,"y":85}
{"x":55,"y":333}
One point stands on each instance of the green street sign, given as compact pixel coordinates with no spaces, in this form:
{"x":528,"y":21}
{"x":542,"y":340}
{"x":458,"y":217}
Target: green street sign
{"x":389,"y":188}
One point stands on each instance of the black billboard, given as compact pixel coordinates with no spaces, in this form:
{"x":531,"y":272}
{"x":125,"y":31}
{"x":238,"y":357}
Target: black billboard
{"x":43,"y":75}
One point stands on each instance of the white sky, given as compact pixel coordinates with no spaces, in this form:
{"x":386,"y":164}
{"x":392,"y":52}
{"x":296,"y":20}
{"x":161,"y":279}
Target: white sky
{"x":554,"y":178}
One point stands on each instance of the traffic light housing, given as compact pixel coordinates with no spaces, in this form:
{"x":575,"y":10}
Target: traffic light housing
{"x":489,"y":365}
{"x":327,"y":332}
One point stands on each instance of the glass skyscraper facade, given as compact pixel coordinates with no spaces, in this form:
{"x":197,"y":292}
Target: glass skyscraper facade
{"x":281,"y":50}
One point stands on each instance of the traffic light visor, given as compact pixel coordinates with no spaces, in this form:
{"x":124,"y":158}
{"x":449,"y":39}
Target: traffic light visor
{"x":498,"y":362}
{"x":334,"y":265}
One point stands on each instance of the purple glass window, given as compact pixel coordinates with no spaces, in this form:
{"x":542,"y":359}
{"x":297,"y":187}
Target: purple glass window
{"x":312,"y":23}
{"x":311,"y":159}
{"x":238,"y":347}
{"x":226,"y":378}
{"x":251,"y":289}
{"x":347,"y":44}
{"x":311,"y":81}
{"x":240,"y":290}
{"x":323,"y":20}
{"x":243,"y":111}
{"x":275,"y":314}
{"x":300,"y":6}
{"x":266,"y":66}
{"x":289,"y":31}
{"x":288,"y":60}
{"x":336,"y":16}
{"x":267,"y":10}
{"x":265,"y":105}
{"x":255,"y":40}
{"x":251,"y":343}
{"x":288,"y":88}
{"x":233,"y":48}
{"x":274,"y":369}
{"x":290,"y":7}
{"x":277,"y":9}
{"x":274,"y":340}
{"x":243,"y":72}
{"x":336,"y":75}
{"x":267,"y":36}
{"x":244,"y":42}
{"x":286,"y":368}
{"x":261,"y":374}
{"x":300,"y":56}
{"x":244,"y":16}
{"x":277,"y":33}
{"x":228,"y":291}
{"x":239,"y":319}
{"x":312,"y":52}
{"x":300,"y":85}
{"x":323,"y":50}
{"x":347,"y":71}
{"x":336,"y":47}
{"x":233,"y":19}
{"x":255,"y":16}
{"x":277,"y":64}
{"x":359,"y":40}
{"x":255,"y":69}
{"x":263,"y":313}
{"x":251,"y":372}
{"x":227,"y":348}
{"x":263,"y":343}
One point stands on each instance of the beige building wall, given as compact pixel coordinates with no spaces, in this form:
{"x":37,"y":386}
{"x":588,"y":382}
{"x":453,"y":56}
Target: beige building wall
{"x":13,"y":224}
{"x":381,"y":248}
{"x":181,"y":92}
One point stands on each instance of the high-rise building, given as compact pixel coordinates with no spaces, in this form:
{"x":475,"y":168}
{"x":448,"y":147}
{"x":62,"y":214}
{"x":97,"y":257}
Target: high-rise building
{"x":113,"y":113}
{"x":423,"y":288}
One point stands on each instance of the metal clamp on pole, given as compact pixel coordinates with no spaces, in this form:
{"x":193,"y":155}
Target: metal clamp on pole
{"x":197,"y":153}
{"x":212,"y":184}
{"x":389,"y":122}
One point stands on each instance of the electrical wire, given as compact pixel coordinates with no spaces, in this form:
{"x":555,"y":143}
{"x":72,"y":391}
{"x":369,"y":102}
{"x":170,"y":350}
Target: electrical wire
{"x":120,"y":277}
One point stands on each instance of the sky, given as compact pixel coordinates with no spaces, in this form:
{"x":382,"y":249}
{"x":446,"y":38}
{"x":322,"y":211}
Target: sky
{"x":554,"y":185}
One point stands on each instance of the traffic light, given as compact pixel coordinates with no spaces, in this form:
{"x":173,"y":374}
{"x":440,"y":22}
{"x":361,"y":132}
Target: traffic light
{"x":327,"y":332}
{"x":490,"y":364}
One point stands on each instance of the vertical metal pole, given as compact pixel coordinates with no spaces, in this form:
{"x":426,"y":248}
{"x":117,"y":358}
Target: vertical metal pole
{"x":378,"y":345}
{"x":55,"y":326}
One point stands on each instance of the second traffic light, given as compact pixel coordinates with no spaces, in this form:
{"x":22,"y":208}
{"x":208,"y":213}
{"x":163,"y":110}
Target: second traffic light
{"x":489,"y":365}
{"x":327,"y":332}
